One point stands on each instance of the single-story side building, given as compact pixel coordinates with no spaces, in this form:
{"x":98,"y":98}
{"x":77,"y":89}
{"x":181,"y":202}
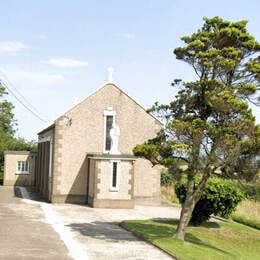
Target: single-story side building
{"x":19,"y":168}
{"x":86,"y":154}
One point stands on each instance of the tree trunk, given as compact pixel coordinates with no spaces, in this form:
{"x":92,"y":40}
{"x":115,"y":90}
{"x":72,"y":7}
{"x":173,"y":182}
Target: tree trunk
{"x":192,"y":197}
{"x":186,"y":211}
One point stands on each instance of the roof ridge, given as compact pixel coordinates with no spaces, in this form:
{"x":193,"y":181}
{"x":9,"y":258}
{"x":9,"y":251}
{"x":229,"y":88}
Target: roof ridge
{"x":91,"y":94}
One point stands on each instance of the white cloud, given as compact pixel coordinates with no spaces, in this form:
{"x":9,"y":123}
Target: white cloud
{"x":13,"y":46}
{"x":33,"y":78}
{"x":129,"y":36}
{"x":66,"y":63}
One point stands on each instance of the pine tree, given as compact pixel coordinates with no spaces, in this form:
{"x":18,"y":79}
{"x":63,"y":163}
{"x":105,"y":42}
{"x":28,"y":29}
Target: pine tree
{"x":209,"y":125}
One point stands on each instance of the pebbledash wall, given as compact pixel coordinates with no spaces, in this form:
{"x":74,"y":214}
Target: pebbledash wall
{"x":80,"y":132}
{"x":12,"y":175}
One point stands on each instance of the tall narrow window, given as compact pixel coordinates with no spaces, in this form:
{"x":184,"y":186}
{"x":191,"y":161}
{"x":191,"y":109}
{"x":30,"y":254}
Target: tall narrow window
{"x":115,"y":171}
{"x":109,"y":123}
{"x":114,"y":177}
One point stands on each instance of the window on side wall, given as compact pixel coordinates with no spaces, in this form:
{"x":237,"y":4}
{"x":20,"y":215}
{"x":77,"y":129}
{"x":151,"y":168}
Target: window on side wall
{"x":22,"y":167}
{"x":115,"y":168}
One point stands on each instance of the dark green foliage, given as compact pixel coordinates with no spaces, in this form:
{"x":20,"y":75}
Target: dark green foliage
{"x":8,"y":143}
{"x":1,"y":177}
{"x":7,"y":130}
{"x":166,"y":178}
{"x":7,"y":122}
{"x":251,"y":190}
{"x":220,"y":197}
{"x":209,"y":126}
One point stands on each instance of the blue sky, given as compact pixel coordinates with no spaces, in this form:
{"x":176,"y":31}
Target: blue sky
{"x":57,"y":52}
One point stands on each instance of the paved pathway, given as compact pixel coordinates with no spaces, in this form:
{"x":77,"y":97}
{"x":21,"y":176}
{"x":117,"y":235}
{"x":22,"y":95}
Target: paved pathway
{"x":51,"y":231}
{"x":98,"y":230}
{"x":24,"y":233}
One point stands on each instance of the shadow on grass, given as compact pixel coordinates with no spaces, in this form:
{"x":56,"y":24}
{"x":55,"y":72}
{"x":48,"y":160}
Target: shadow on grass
{"x":157,"y":229}
{"x":196,"y":241}
{"x":208,"y":224}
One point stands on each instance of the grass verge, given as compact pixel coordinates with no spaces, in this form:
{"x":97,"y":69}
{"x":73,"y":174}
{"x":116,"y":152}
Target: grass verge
{"x":214,"y":240}
{"x":249,"y":208}
{"x":247,"y":221}
{"x":248,"y":213}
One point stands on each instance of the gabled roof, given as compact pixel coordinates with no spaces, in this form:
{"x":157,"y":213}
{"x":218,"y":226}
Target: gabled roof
{"x":46,"y":127}
{"x":52,"y":124}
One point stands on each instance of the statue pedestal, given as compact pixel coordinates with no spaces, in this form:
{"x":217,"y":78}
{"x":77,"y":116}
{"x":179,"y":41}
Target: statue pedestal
{"x":101,"y":192}
{"x":114,"y":151}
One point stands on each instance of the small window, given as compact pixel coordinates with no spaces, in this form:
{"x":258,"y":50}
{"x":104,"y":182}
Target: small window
{"x":114,"y":176}
{"x":109,"y":124}
{"x":23,"y":167}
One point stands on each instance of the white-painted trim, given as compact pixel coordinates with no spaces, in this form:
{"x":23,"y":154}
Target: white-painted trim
{"x":115,"y":189}
{"x":22,"y":172}
{"x":107,"y":112}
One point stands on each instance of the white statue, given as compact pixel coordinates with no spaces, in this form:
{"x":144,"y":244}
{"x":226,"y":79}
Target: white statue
{"x":114,"y":134}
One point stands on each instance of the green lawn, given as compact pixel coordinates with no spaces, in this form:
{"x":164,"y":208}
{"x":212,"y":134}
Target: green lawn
{"x":214,"y":240}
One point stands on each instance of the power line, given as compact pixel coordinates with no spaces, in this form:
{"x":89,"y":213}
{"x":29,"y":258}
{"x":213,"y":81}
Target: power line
{"x":21,"y":102}
{"x":3,"y":75}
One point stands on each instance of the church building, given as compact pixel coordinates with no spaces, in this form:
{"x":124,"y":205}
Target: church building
{"x":86,"y":155}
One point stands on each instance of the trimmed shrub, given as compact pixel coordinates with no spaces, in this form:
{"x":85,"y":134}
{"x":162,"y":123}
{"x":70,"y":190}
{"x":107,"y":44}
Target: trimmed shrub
{"x":219,"y":198}
{"x":166,"y":178}
{"x":252,"y":191}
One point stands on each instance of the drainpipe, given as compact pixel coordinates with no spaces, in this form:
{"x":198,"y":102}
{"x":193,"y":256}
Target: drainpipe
{"x":50,"y":169}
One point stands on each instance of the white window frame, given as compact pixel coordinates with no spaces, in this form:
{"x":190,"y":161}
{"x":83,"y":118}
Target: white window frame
{"x":116,"y":188}
{"x":19,"y":167}
{"x":108,"y":112}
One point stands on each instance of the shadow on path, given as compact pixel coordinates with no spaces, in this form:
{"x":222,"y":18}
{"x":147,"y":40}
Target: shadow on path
{"x":29,"y":193}
{"x":103,"y":230}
